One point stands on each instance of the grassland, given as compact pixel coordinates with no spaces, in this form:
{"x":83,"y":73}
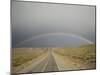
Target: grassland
{"x":23,"y":55}
{"x":85,"y":54}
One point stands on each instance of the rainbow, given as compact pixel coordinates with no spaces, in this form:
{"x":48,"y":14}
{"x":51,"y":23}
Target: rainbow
{"x":61,"y":34}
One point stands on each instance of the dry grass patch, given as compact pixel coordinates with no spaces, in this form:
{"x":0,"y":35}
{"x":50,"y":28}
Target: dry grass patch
{"x":86,"y":54}
{"x":23,"y":55}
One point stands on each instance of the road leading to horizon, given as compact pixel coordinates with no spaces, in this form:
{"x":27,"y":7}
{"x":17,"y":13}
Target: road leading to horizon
{"x":45,"y":64}
{"x":50,"y":62}
{"x":51,"y":65}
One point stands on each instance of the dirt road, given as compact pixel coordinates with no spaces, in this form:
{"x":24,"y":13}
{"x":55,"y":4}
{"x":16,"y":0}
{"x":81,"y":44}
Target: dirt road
{"x":50,"y":62}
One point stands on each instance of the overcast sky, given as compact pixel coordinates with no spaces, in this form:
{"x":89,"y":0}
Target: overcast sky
{"x":32,"y":19}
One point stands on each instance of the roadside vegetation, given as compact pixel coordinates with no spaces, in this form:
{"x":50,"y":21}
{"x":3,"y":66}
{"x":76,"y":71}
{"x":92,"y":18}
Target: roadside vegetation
{"x":23,"y":55}
{"x":86,"y":54}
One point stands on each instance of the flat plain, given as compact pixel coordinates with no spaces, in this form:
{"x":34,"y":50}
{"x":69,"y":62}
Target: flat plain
{"x":31,"y":60}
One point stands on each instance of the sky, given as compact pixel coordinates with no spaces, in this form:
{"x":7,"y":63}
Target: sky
{"x":52,"y":25}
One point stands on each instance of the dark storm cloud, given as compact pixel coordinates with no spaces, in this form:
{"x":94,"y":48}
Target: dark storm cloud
{"x":31,"y":19}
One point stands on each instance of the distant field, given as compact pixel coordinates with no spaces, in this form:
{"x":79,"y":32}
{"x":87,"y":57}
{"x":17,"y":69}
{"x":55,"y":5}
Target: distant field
{"x":86,"y":54}
{"x":23,"y":55}
{"x":67,"y":58}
